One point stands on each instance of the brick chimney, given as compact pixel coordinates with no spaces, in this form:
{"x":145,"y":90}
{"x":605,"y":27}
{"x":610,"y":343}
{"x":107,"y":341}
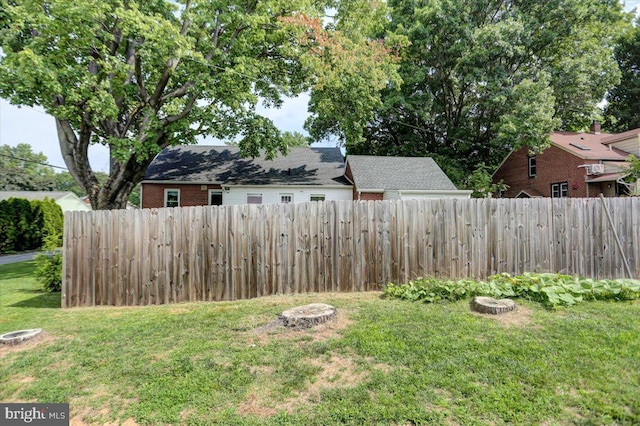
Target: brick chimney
{"x":595,"y":127}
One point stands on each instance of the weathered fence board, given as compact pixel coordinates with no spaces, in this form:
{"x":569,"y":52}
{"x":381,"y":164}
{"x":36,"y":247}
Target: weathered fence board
{"x":158,"y":256}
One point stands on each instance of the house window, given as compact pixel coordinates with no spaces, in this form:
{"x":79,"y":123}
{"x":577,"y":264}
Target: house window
{"x":254,"y":198}
{"x":286,"y":198}
{"x":215,"y":198}
{"x":532,"y":166}
{"x":559,"y":190}
{"x":172,"y":198}
{"x":317,"y":197}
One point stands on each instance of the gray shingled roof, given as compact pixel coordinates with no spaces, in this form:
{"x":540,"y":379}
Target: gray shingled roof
{"x":223,"y":165}
{"x":35,"y":195}
{"x":397,"y":173}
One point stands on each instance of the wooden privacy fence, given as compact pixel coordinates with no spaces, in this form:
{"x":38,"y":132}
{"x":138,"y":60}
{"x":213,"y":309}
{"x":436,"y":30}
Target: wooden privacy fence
{"x":155,"y":256}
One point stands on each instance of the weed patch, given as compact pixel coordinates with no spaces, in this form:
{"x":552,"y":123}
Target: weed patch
{"x":551,"y":290}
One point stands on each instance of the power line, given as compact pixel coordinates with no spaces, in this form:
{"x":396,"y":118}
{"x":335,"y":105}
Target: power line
{"x":31,"y":161}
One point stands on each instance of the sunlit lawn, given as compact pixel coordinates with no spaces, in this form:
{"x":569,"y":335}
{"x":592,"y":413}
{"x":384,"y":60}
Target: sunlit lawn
{"x":381,"y":362}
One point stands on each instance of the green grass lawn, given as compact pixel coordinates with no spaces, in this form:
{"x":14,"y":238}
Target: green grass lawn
{"x":382,"y":362}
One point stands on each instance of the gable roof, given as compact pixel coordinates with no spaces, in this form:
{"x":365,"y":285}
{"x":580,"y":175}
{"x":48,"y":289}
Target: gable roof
{"x":397,"y":173}
{"x":621,"y":136}
{"x":37,"y":195}
{"x":223,"y":165}
{"x":588,"y":146}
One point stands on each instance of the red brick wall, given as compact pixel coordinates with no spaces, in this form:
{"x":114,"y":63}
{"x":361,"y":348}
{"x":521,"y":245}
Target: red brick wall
{"x":190,"y":194}
{"x":370,"y":196}
{"x":365,"y":196}
{"x":554,"y":165}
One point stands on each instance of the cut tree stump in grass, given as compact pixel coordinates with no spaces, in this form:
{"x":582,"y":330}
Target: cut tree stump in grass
{"x":16,"y":337}
{"x":307,"y":316}
{"x":489,"y":305}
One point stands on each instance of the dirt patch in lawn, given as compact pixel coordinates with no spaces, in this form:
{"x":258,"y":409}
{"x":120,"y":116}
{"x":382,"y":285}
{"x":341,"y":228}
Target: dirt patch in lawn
{"x":77,"y":421}
{"x":93,"y":411}
{"x":337,"y":371}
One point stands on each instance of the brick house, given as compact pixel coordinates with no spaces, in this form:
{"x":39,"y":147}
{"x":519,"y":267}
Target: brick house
{"x":389,"y":178}
{"x":217,"y":175}
{"x":575,"y":165}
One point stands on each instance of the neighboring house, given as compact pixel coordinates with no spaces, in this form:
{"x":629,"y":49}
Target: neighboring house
{"x":389,"y":178}
{"x":217,"y":175}
{"x":68,"y":201}
{"x":87,"y":201}
{"x":575,"y":165}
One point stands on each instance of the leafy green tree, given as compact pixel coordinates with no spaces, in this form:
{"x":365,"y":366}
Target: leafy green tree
{"x":289,"y":139}
{"x":295,"y":139}
{"x":483,"y":77}
{"x":63,"y":181}
{"x":134,"y":197}
{"x":481,"y":183}
{"x":622,"y":112}
{"x":21,"y":169}
{"x":139,"y":76}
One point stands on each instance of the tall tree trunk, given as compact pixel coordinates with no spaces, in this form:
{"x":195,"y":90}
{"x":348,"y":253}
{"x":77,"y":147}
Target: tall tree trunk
{"x":123,"y":177}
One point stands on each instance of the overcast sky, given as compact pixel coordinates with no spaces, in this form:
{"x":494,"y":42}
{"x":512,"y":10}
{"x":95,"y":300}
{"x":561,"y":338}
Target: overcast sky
{"x":35,"y":127}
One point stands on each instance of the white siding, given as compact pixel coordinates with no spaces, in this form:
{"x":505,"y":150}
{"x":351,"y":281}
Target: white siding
{"x":391,"y":195}
{"x":408,"y":195}
{"x":72,"y":203}
{"x":631,"y":146}
{"x":238,"y":195}
{"x":615,"y":166}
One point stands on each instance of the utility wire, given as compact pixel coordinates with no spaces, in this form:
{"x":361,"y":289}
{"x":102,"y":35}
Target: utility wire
{"x":31,"y":161}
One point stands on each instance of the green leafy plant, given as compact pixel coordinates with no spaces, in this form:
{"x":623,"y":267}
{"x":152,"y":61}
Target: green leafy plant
{"x":48,"y":271}
{"x":549,"y":289}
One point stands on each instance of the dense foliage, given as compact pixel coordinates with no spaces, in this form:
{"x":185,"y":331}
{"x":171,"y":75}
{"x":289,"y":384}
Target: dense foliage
{"x":139,"y":76}
{"x":622,"y":112}
{"x":28,"y":225}
{"x":49,"y":271}
{"x":483,"y":77}
{"x":548,"y":289}
{"x":21,"y":169}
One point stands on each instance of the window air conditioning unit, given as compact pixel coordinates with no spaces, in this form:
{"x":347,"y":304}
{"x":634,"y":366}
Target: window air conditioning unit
{"x":595,"y":169}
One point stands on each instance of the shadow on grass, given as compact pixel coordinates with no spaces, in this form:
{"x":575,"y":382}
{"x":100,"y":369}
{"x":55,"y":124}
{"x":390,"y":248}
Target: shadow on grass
{"x":17,"y":270}
{"x":44,"y":300}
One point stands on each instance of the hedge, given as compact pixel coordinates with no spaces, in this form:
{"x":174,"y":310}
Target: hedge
{"x":29,"y":225}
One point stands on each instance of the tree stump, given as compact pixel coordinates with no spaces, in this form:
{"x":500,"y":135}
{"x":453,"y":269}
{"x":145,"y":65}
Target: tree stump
{"x":16,"y":337}
{"x":489,"y":305}
{"x":307,"y":316}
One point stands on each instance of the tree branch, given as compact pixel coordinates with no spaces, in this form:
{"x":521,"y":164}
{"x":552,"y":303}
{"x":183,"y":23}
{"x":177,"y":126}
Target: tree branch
{"x":140,"y":80}
{"x":178,"y":92}
{"x":187,"y":109}
{"x":186,"y":22}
